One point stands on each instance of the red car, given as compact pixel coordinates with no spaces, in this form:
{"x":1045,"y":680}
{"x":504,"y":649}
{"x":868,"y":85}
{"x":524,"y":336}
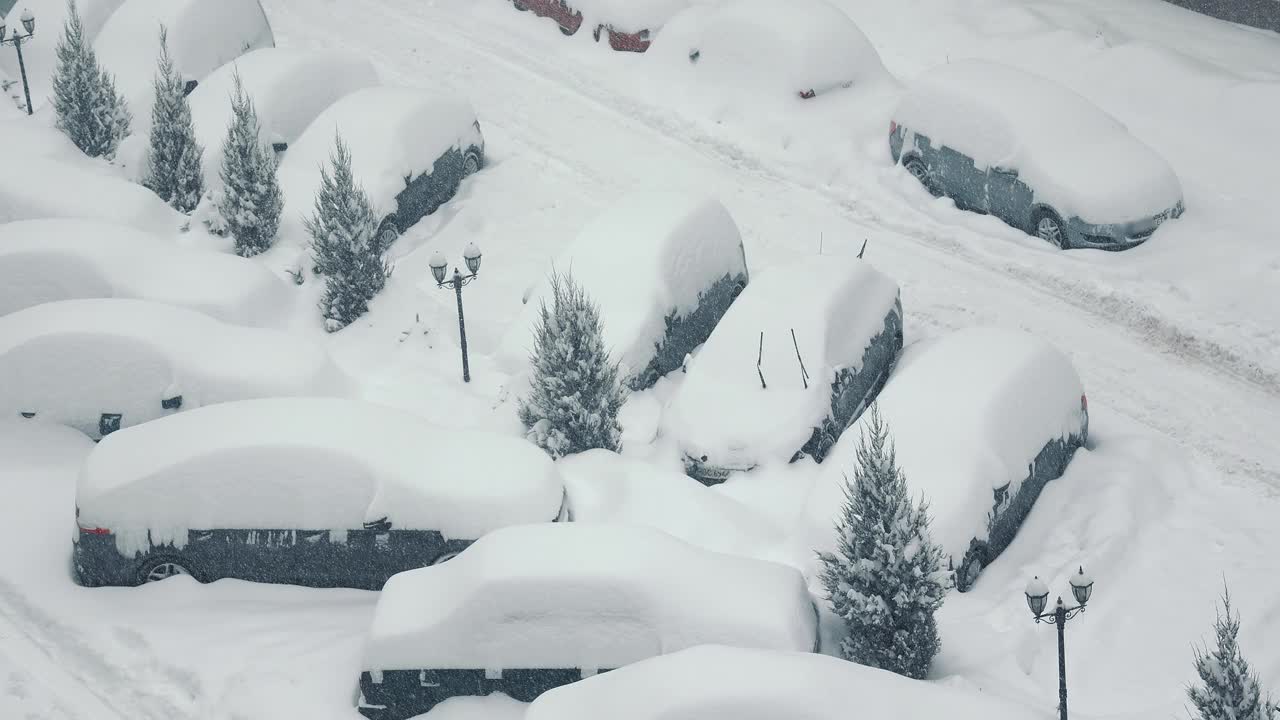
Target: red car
{"x":568,"y":18}
{"x":629,"y":24}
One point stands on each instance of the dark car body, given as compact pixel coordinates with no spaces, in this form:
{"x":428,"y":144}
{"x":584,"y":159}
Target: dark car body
{"x":402,"y":694}
{"x":431,"y":188}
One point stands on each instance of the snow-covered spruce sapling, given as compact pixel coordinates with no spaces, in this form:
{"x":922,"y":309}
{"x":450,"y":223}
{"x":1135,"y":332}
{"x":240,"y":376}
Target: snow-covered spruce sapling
{"x":575,"y":392}
{"x":173,"y":160}
{"x":883,"y":579}
{"x":1228,"y":689}
{"x":343,"y":244}
{"x":250,"y":202}
{"x":88,"y":109}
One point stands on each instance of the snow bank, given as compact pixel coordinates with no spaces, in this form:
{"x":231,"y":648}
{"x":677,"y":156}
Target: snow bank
{"x":73,"y":360}
{"x":834,"y":304}
{"x":40,"y":54}
{"x":1074,"y":155}
{"x":289,"y":88}
{"x":967,"y":414}
{"x":649,"y":256}
{"x":393,"y":133}
{"x":314,"y":463}
{"x":629,"y":16}
{"x":713,"y":682}
{"x":49,"y":260}
{"x":571,"y":595}
{"x":605,"y":487}
{"x":52,"y":188}
{"x":29,"y":140}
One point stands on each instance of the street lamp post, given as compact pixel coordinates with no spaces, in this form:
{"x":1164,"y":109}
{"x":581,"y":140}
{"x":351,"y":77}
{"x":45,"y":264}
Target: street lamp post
{"x":1037,"y":597}
{"x":16,"y":40}
{"x":438,"y":265}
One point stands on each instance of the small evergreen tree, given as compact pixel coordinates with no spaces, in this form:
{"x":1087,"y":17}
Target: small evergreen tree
{"x":574,"y":402}
{"x":173,"y":163}
{"x":1228,"y":689}
{"x":251,"y":202}
{"x":343,"y":243}
{"x":883,"y":579}
{"x":89,"y":110}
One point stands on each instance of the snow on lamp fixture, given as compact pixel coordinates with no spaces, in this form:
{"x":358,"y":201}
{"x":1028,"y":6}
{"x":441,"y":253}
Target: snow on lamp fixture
{"x":438,"y":265}
{"x":471,"y":254}
{"x":1081,"y":586}
{"x":28,"y":21}
{"x":1037,"y":595}
{"x":15,"y":39}
{"x":1038,"y":598}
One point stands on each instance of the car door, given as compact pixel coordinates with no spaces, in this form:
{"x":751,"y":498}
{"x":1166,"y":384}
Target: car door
{"x":962,"y":181}
{"x":1008,"y":198}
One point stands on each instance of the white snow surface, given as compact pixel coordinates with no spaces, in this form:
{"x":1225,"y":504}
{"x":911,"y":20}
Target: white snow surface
{"x":393,"y":133}
{"x":313,"y":463}
{"x":28,"y":140}
{"x":577,"y":595}
{"x":40,"y":53}
{"x":289,"y":89}
{"x":649,"y":255}
{"x":49,"y":260}
{"x":629,"y":16}
{"x":715,"y":682}
{"x":54,"y":188}
{"x":1074,"y":155}
{"x":967,"y":413}
{"x":834,"y":304}
{"x":72,"y":360}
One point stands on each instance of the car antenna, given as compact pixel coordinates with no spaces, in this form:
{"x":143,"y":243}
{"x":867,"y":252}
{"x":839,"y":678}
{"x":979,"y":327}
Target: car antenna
{"x":864,"y":248}
{"x":759,"y":358}
{"x":804,"y":374}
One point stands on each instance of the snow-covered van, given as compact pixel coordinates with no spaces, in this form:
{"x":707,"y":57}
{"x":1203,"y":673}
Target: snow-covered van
{"x":322,"y":492}
{"x":100,"y":365}
{"x":662,"y":267}
{"x":981,"y":420}
{"x":799,"y":355}
{"x":526,"y":609}
{"x":410,"y":151}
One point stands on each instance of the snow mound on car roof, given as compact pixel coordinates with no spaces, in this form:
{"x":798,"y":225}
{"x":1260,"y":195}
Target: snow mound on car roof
{"x":714,"y":682}
{"x":54,"y":188}
{"x":570,"y":595}
{"x":313,"y":463}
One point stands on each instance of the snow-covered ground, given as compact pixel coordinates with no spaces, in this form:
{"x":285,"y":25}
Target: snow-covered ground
{"x":1177,"y":343}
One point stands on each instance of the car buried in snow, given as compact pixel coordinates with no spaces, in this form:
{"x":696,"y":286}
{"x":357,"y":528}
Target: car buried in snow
{"x":801,"y":352}
{"x":529,"y":608}
{"x":628,"y":25}
{"x":1001,"y":141}
{"x":320,"y":492}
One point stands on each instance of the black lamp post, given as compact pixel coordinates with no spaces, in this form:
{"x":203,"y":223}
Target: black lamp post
{"x":16,"y":40}
{"x":471,"y":254}
{"x":1037,"y":598}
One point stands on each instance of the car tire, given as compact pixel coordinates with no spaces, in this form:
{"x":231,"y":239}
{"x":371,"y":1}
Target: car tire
{"x":920,"y":171}
{"x":566,"y":31}
{"x":517,"y":4}
{"x":974,"y":561}
{"x":388,"y":232}
{"x":470,"y":165}
{"x":164,"y":567}
{"x":1048,"y":226}
{"x":446,"y":556}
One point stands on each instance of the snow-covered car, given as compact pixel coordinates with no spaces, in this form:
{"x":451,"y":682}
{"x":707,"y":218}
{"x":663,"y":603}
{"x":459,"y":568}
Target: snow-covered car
{"x":629,"y":25}
{"x":799,"y":355}
{"x":54,"y":188}
{"x":715,"y":682}
{"x":45,"y":261}
{"x":981,"y":419}
{"x":1005,"y":142}
{"x":566,"y":17}
{"x":661,"y":267}
{"x":40,"y":56}
{"x":289,"y":89}
{"x":529,"y":608}
{"x":410,"y":150}
{"x":100,"y":365}
{"x":322,"y":492}
{"x":801,"y":47}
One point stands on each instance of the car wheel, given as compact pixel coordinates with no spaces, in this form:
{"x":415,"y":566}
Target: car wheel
{"x":388,"y":232}
{"x":445,"y":557}
{"x":470,"y":165}
{"x":519,"y":5}
{"x":917,"y":168}
{"x":162,"y":568}
{"x":596,"y":33}
{"x":567,"y":31}
{"x":974,"y":561}
{"x":1048,"y":227}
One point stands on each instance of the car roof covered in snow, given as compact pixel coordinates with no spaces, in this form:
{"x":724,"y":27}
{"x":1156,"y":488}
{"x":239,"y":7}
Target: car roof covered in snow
{"x":835,"y":305}
{"x":715,"y":682}
{"x":289,"y":88}
{"x":1073,"y":154}
{"x":648,"y":256}
{"x":45,"y":189}
{"x":575,"y":595}
{"x":967,"y":412}
{"x":63,"y":259}
{"x":629,"y":15}
{"x":314,"y":463}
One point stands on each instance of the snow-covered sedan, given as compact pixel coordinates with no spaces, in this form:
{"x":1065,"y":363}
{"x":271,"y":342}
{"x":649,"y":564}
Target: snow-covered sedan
{"x":981,"y":420}
{"x":322,"y":492}
{"x":801,"y":352}
{"x":629,"y":25}
{"x":51,"y":187}
{"x":661,"y":267}
{"x":526,"y":609}
{"x":1005,"y":142}
{"x":101,"y":365}
{"x":410,"y":151}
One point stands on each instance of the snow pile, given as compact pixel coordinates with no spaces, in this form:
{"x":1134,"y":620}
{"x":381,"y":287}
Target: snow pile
{"x":73,"y":360}
{"x":394,"y":134}
{"x":52,"y":188}
{"x":647,"y":257}
{"x":313,"y":463}
{"x":834,"y":305}
{"x":1075,"y":156}
{"x":628,"y":16}
{"x":571,"y":595}
{"x":714,"y":682}
{"x":967,"y":414}
{"x":30,"y":140}
{"x":604,"y":487}
{"x":289,"y":88}
{"x":39,"y":54}
{"x":48,"y":260}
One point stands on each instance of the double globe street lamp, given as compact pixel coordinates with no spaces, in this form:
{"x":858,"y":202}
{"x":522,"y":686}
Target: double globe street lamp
{"x":15,"y":39}
{"x":1037,"y":598}
{"x":438,"y":263}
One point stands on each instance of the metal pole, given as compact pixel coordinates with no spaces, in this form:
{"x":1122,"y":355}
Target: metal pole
{"x":462,"y":326}
{"x":1060,"y":617}
{"x":22,"y":68}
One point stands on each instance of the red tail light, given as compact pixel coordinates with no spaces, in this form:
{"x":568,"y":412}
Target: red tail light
{"x":94,"y":530}
{"x":893,"y":127}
